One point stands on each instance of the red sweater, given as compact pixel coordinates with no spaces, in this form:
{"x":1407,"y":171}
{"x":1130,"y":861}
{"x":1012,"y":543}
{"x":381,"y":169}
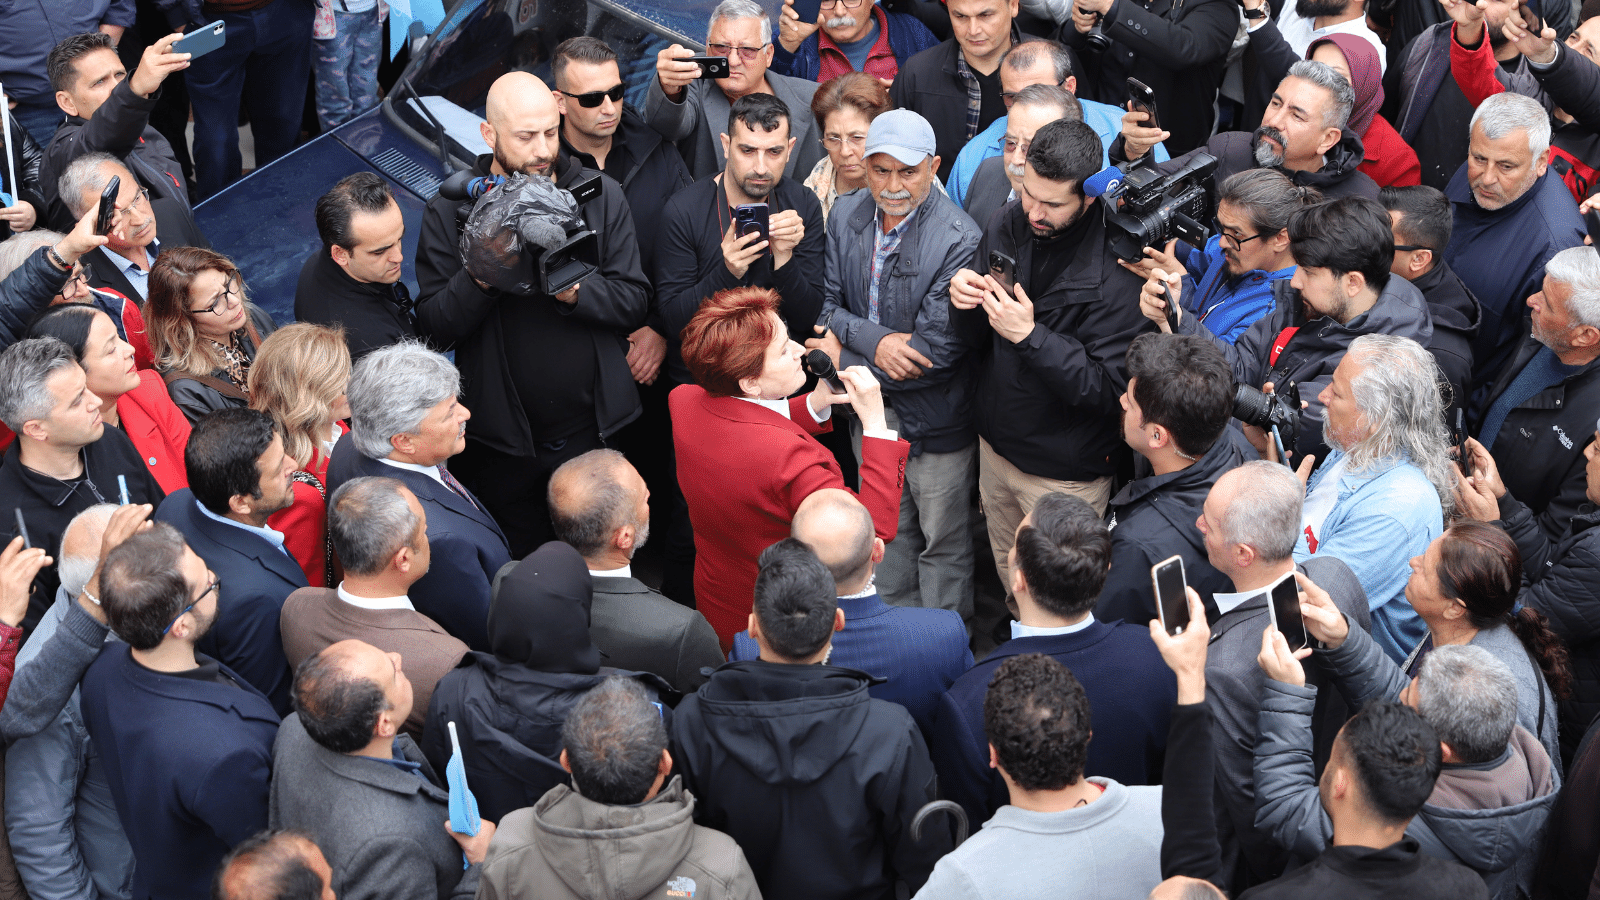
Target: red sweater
{"x":304,"y":522}
{"x":1390,"y":161}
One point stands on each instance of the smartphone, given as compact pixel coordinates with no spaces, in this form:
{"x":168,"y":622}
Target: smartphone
{"x":1284,"y":606}
{"x":1004,"y":270}
{"x":1143,"y":100}
{"x":1172,"y":604}
{"x":1592,"y":220}
{"x":1172,"y":310}
{"x":108,"y":205}
{"x":712,"y":66}
{"x":808,"y":10}
{"x":22,"y":529}
{"x":1530,"y":19}
{"x":201,"y":41}
{"x":751,"y":218}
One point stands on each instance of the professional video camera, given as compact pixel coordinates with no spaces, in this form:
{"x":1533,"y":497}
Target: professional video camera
{"x":1157,"y":207}
{"x":1280,"y":410}
{"x":523,"y":235}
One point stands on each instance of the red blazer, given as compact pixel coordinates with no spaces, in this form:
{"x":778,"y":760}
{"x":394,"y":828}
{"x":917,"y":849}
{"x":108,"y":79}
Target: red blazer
{"x":304,"y":522}
{"x":744,"y":470}
{"x":1390,"y":161}
{"x":158,"y":429}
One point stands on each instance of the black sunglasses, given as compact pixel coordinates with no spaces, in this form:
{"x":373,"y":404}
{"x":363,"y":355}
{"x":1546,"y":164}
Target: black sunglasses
{"x":595,"y":98}
{"x":1407,"y":248}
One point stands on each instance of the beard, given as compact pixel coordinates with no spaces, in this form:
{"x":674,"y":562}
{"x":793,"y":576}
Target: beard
{"x":527,"y":168}
{"x":1312,"y":9}
{"x":1046,"y":234}
{"x":1266,"y":155}
{"x":757,"y":191}
{"x":1557,"y":343}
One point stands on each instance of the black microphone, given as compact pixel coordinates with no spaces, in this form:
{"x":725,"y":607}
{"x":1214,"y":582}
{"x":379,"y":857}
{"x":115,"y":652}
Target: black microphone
{"x":822,"y":367}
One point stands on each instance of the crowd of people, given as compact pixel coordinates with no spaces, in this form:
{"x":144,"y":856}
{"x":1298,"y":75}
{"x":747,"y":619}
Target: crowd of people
{"x":858,"y":328}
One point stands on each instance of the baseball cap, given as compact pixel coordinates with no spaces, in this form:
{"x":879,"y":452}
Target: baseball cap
{"x":902,"y":134}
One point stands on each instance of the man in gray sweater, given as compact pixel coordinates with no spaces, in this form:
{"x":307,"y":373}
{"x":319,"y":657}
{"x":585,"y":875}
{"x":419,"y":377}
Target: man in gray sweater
{"x":1059,"y":825}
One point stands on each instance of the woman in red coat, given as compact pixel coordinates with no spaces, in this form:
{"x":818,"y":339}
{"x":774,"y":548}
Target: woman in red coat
{"x":1389,"y":161}
{"x":133,"y":399}
{"x":746,"y":455}
{"x":299,"y":377}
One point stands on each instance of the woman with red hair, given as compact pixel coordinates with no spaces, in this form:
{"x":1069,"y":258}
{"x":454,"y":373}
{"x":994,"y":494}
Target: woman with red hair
{"x":746,"y":455}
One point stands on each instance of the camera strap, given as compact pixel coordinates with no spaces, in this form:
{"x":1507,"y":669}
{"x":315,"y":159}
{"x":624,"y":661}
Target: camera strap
{"x":1280,"y":342}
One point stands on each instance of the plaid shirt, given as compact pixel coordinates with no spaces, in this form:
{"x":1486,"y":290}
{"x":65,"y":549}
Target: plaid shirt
{"x":974,"y":89}
{"x":883,"y":246}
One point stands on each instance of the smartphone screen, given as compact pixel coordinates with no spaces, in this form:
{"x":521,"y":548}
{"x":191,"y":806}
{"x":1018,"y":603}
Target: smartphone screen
{"x":1171,"y":602}
{"x":1285,"y":607}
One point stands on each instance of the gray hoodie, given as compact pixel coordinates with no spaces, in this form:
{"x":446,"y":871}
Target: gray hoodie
{"x":568,"y":846}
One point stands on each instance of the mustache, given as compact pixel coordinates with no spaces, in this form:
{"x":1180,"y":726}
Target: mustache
{"x":894,"y":195}
{"x":841,"y":22}
{"x":1264,"y":153}
{"x":1016,"y":171}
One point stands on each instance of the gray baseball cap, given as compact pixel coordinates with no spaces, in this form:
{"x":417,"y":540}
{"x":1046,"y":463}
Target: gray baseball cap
{"x":902,"y":134}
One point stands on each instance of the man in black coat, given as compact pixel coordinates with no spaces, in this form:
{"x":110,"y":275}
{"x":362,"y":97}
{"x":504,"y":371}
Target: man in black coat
{"x":822,"y":795}
{"x":354,"y":280}
{"x":1303,"y":134}
{"x":145,"y":224}
{"x":238,"y":477}
{"x":1175,"y":416}
{"x":1050,"y":358}
{"x":186,"y":741}
{"x":547,"y":376}
{"x":1422,"y":221}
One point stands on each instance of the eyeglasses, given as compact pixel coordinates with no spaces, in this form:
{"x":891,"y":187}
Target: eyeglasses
{"x":1012,"y":145}
{"x":1407,"y":248}
{"x":1237,"y":242}
{"x":231,"y":291}
{"x":747,"y":54}
{"x":140,"y":200}
{"x":78,"y":281}
{"x":593,"y":99}
{"x":196,"y":602}
{"x":844,"y":3}
{"x":838,"y":142}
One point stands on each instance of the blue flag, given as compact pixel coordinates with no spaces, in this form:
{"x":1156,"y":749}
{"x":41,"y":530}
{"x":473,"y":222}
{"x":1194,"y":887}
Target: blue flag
{"x":463,"y":806}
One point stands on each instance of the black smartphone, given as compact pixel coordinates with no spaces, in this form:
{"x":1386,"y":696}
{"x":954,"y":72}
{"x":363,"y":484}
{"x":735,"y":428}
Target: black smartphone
{"x":808,"y":10}
{"x":201,"y":41}
{"x":712,"y":66}
{"x":1592,"y":220}
{"x":1143,"y":100}
{"x":1172,"y":604}
{"x":1172,"y":310}
{"x":1285,"y":609}
{"x":1458,"y":437}
{"x":751,"y":218}
{"x":1004,"y":270}
{"x":108,"y":205}
{"x":22,"y":529}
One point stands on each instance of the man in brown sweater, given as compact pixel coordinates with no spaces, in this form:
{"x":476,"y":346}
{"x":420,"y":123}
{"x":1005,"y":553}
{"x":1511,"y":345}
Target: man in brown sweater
{"x":380,"y":533}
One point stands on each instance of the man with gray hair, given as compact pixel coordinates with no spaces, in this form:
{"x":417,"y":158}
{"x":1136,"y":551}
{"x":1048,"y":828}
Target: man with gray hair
{"x":601,"y":506}
{"x":1383,"y":492}
{"x":690,"y":110}
{"x":1250,"y":522}
{"x":1511,"y":216}
{"x":144,"y":224}
{"x":406,"y":423}
{"x":64,"y":459}
{"x":620,"y":806}
{"x":1537,"y":420}
{"x":1497,"y":784}
{"x":380,"y":534}
{"x":997,"y":180}
{"x":1304,"y":132}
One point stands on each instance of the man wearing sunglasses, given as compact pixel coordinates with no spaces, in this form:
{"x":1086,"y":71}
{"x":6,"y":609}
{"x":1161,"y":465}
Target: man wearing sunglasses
{"x":141,"y":227}
{"x":1423,"y":220}
{"x":848,"y":36}
{"x":689,"y":109}
{"x":186,"y":741}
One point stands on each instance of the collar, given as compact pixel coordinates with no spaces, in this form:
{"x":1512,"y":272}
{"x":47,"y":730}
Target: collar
{"x":398,"y":760}
{"x":1228,"y":602}
{"x":275,"y":538}
{"x":827,"y":43}
{"x":781,"y":407}
{"x":395,"y":293}
{"x":899,"y":230}
{"x":400,"y":602}
{"x":430,"y":471}
{"x":1019,"y":630}
{"x":624,"y":572}
{"x":862,"y":606}
{"x":126,"y":266}
{"x":48,"y":488}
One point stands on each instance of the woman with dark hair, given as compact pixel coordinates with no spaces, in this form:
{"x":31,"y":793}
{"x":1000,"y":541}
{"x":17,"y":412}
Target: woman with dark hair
{"x":746,"y":449}
{"x":131,"y":398}
{"x":844,"y":108}
{"x":204,"y":331}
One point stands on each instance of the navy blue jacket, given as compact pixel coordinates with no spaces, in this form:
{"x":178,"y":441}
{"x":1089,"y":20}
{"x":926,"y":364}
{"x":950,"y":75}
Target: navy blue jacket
{"x":921,"y":652}
{"x":468,"y":548}
{"x":256,"y":578}
{"x":1131,"y":695}
{"x":907,"y":37}
{"x":187,"y":760}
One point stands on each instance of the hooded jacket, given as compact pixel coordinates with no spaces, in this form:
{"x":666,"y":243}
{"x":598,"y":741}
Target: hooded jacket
{"x":1340,"y":175}
{"x":486,"y":329}
{"x":1152,"y":518}
{"x":1317,"y":346}
{"x":1226,"y":305}
{"x":120,"y":127}
{"x":509,"y":704}
{"x":1456,"y":320}
{"x":817,"y":781}
{"x":568,"y":847}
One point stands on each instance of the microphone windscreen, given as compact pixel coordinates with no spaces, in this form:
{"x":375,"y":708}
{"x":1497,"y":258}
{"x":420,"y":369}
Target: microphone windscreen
{"x":820,"y":365}
{"x":1103,"y":182}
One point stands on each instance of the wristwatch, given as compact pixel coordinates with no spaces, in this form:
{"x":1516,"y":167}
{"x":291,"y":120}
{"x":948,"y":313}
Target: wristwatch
{"x":1256,"y":14}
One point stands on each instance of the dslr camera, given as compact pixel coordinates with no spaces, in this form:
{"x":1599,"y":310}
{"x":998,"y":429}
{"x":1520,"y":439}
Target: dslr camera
{"x":1158,"y":207}
{"x":523,"y":235}
{"x":1281,"y":410}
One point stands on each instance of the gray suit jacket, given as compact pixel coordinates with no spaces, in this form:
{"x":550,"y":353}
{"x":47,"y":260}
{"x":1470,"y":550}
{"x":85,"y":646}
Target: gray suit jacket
{"x":639,"y":629}
{"x":989,"y":190}
{"x":381,"y":829}
{"x":695,"y":123}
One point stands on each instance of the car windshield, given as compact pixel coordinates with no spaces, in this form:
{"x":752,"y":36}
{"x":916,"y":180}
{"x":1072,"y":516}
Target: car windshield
{"x":441,"y":96}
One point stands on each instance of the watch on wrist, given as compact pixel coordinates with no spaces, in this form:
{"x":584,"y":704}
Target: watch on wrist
{"x":1256,"y":14}
{"x":56,"y":260}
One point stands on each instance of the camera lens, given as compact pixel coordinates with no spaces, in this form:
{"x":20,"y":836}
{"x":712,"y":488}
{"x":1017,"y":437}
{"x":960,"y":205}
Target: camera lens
{"x":1252,"y":406}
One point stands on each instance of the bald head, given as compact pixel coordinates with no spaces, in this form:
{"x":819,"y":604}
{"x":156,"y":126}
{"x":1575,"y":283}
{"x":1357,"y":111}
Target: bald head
{"x":1181,"y":887}
{"x":80,"y":547}
{"x":594,"y":498}
{"x":838,"y":529}
{"x":274,"y":865}
{"x":523,"y":125}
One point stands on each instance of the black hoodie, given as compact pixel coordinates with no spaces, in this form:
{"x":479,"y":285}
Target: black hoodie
{"x":1338,"y":177}
{"x":817,"y":781}
{"x":373,"y":315}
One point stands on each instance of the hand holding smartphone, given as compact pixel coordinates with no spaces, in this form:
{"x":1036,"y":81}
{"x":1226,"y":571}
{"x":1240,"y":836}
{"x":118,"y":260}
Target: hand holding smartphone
{"x":108,"y":206}
{"x":1142,"y":99}
{"x":201,"y":41}
{"x":1284,"y":607}
{"x":711,"y":66}
{"x":1004,"y":270}
{"x":752,"y":218}
{"x":1172,"y":604}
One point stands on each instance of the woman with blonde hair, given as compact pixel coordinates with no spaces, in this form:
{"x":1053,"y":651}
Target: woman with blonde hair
{"x":299,"y":377}
{"x":203,"y":330}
